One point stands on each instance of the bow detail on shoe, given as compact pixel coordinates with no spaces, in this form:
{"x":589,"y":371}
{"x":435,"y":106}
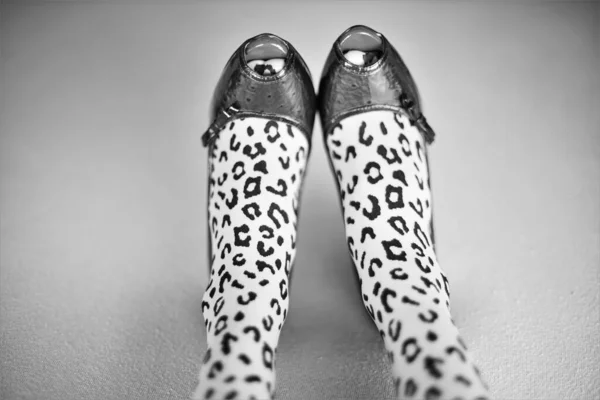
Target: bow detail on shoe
{"x":223,"y":116}
{"x":417,"y":118}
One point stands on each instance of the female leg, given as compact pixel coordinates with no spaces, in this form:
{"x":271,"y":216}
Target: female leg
{"x":376,"y":139}
{"x":258,"y":149}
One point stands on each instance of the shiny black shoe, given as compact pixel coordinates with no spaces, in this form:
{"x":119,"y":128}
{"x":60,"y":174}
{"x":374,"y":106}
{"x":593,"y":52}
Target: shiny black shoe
{"x":382,"y":82}
{"x":285,"y":94}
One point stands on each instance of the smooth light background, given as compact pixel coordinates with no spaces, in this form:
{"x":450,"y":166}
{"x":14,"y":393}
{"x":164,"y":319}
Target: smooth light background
{"x":103,"y":201}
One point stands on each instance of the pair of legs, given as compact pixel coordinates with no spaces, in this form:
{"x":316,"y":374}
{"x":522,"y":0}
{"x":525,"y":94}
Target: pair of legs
{"x":380,"y":164}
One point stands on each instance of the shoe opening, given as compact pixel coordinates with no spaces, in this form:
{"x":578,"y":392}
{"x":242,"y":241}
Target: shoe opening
{"x":266,"y":54}
{"x":361,"y":45}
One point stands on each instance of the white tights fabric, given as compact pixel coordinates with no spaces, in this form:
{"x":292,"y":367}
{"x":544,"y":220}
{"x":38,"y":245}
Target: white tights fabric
{"x":380,"y":164}
{"x":256,"y":172}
